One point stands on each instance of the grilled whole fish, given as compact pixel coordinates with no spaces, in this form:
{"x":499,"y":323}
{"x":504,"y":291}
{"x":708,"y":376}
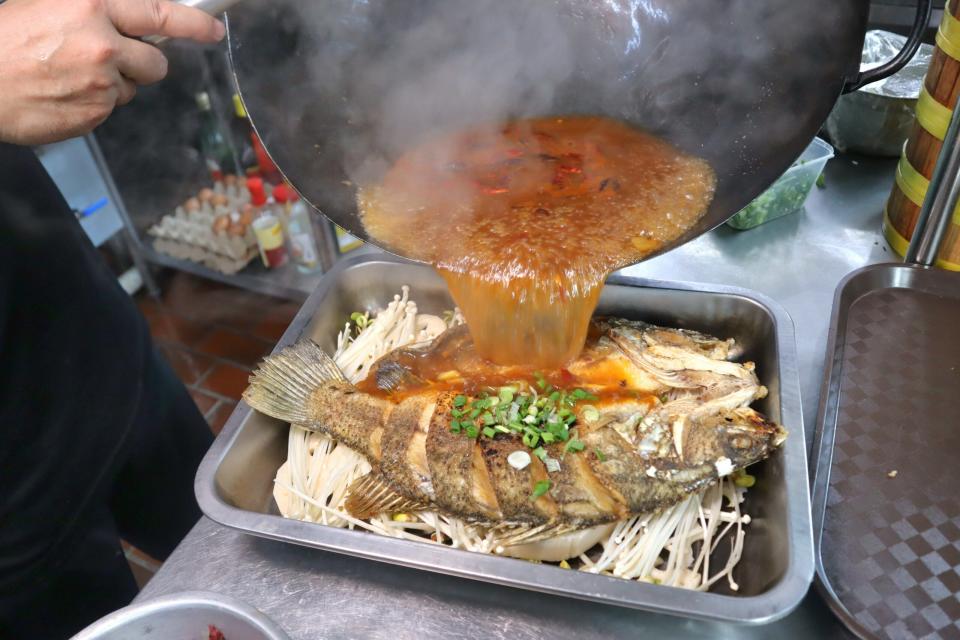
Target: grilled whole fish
{"x":669,"y":415}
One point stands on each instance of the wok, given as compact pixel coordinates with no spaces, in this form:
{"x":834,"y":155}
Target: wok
{"x":338,"y":88}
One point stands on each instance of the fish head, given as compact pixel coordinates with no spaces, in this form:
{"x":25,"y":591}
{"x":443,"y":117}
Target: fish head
{"x":734,"y":439}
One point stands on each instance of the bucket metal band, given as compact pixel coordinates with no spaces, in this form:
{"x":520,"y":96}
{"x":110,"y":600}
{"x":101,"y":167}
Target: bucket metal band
{"x":914,"y":185}
{"x":932,"y":116}
{"x":948,"y":35}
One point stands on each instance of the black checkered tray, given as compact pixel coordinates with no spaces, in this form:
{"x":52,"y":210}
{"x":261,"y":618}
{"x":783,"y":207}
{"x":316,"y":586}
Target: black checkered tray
{"x":887,"y":454}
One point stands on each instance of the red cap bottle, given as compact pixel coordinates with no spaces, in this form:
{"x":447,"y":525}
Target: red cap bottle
{"x":257,"y":195}
{"x":281,"y":194}
{"x":284,"y":193}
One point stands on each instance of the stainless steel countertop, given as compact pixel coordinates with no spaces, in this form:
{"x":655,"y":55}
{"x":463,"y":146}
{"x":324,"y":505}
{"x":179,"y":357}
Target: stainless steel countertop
{"x":797,"y":260}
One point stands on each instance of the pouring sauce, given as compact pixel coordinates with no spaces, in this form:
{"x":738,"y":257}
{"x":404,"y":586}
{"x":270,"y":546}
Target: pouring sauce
{"x":525,"y":220}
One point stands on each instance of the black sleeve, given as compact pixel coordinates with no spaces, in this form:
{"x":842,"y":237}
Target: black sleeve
{"x":72,"y":352}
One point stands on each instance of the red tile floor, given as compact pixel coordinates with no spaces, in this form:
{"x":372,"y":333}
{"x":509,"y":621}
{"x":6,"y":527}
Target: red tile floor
{"x":212,"y":335}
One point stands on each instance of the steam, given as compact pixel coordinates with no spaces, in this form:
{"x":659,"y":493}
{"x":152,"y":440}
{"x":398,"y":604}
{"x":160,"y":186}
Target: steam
{"x":456,"y":65}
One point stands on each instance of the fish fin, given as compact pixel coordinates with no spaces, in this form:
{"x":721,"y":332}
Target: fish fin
{"x":371,"y":495}
{"x":392,"y":375}
{"x":282,"y":384}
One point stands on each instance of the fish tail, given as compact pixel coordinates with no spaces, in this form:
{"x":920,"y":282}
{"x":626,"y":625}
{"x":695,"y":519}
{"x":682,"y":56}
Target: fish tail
{"x":283,"y":383}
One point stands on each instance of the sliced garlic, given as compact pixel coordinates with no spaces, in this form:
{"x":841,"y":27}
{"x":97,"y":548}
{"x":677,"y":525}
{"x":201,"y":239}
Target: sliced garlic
{"x":518,"y":459}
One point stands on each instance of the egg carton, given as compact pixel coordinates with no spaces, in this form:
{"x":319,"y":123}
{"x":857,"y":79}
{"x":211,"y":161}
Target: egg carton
{"x":196,"y":231}
{"x":218,"y":262}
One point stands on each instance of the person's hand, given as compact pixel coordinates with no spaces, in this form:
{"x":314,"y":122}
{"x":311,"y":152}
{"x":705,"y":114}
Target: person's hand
{"x":65,"y":64}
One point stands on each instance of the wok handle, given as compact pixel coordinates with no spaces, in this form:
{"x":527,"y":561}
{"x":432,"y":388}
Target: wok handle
{"x":213,"y":7}
{"x":897,"y":62}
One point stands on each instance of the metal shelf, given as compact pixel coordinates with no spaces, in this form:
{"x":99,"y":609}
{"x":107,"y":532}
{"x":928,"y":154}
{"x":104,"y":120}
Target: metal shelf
{"x":286,"y":282}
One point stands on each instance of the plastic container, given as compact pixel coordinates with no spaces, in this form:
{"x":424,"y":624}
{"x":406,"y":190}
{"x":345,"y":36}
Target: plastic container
{"x":878,"y":118}
{"x":790,"y":190}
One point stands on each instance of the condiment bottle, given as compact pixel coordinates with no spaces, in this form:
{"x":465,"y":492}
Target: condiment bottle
{"x":303,"y":244}
{"x":258,"y":195}
{"x":214,"y":144}
{"x":270,"y":241}
{"x":266,"y":227}
{"x":241,"y":130}
{"x":260,"y":160}
{"x":281,"y":196}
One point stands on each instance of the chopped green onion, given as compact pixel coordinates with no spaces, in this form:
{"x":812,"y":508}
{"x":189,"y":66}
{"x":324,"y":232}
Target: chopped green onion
{"x":459,"y":401}
{"x":547,"y":437}
{"x":541,"y":381}
{"x":360,"y":319}
{"x":475,"y":413}
{"x":578,"y":394}
{"x":455,"y":426}
{"x":744,"y":480}
{"x":539,"y":489}
{"x":540,"y":452}
{"x":502,"y":429}
{"x":574,"y":445}
{"x":472,"y":431}
{"x":489,"y":432}
{"x":599,"y":454}
{"x":487,"y":418}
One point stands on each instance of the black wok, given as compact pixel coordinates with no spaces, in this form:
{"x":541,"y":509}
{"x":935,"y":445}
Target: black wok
{"x":337,"y":88}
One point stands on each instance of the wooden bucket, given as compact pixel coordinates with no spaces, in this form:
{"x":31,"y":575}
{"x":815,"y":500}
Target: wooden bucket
{"x":938,"y":97}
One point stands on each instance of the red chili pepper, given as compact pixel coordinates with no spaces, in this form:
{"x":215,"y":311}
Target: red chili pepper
{"x":214,"y":634}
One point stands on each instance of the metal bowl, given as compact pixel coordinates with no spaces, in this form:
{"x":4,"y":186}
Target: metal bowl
{"x":185,"y":616}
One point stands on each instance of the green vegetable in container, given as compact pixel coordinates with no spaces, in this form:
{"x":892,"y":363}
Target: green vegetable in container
{"x":789,"y":192}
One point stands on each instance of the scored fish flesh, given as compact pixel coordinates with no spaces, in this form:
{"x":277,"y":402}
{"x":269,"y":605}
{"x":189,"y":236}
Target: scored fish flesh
{"x":656,"y":414}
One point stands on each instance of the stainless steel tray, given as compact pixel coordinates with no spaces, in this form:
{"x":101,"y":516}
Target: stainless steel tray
{"x":888,"y":548}
{"x":184,"y":616}
{"x":235,"y":479}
